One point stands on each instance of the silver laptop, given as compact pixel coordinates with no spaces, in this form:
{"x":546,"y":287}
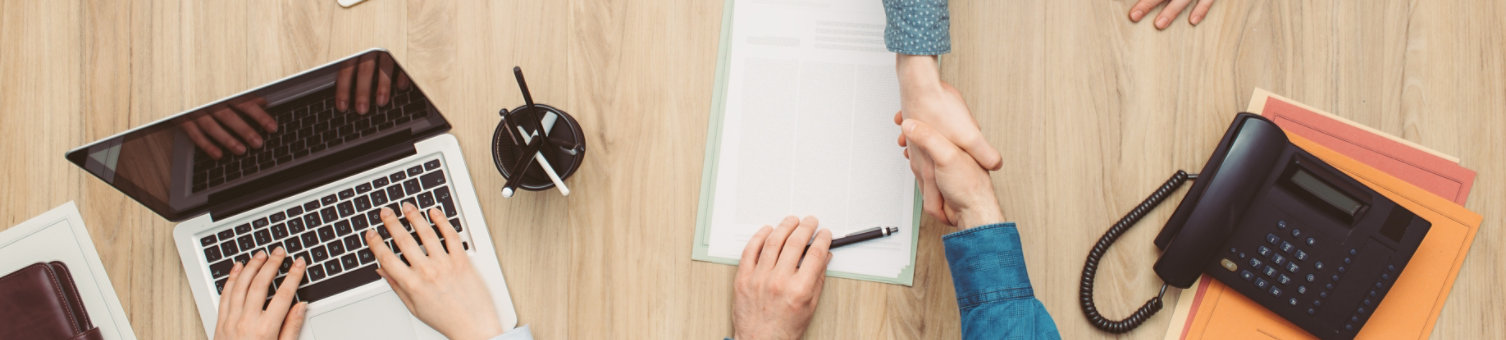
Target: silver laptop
{"x":294,"y":164}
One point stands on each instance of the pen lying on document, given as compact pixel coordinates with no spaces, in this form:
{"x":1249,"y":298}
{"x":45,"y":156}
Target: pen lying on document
{"x":864,"y":235}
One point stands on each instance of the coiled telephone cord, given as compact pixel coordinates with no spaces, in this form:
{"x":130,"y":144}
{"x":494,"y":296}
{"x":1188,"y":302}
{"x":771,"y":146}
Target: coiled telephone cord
{"x":1090,"y":267}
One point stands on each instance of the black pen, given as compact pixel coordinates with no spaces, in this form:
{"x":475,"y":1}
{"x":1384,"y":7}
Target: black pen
{"x":866,"y":234}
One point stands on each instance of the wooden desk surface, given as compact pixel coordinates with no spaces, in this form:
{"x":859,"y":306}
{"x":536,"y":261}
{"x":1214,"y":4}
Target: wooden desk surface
{"x":1090,"y":110}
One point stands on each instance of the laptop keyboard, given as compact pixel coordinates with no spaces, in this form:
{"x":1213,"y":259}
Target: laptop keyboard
{"x":327,"y":232}
{"x":307,"y":126}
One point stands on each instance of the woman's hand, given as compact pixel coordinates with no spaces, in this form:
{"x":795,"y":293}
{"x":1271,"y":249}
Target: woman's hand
{"x":441,"y":288}
{"x":241,"y":314}
{"x":1170,"y":12}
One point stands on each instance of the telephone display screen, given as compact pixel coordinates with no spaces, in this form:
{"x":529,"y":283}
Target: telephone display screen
{"x":1324,"y":192}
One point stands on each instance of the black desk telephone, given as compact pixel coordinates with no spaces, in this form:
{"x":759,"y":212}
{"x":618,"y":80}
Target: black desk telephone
{"x":1280,"y":226}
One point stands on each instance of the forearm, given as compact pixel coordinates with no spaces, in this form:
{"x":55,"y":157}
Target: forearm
{"x":994,"y":295}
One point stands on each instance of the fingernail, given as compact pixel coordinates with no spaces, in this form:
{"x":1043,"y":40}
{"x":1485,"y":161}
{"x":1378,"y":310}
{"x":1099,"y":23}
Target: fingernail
{"x":279,"y":251}
{"x":340,"y":105}
{"x":1197,"y":19}
{"x":386,"y":212}
{"x":1137,"y":14}
{"x":1163,"y":22}
{"x":239,"y":149}
{"x":361,"y":107}
{"x":909,"y":126}
{"x":255,"y":142}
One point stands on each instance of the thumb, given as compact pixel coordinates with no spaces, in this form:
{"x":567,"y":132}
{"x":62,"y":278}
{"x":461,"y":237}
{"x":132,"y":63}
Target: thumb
{"x":292,"y":325}
{"x":985,"y":153}
{"x":930,"y":141}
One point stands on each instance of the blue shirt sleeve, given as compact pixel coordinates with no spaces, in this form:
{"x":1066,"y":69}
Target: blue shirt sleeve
{"x":917,"y":27}
{"x":994,"y":297}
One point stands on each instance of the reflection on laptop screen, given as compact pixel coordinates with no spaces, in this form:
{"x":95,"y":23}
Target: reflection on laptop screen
{"x":182,"y":165}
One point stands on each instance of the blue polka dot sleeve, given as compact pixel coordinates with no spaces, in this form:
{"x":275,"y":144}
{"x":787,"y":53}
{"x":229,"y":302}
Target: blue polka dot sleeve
{"x":918,"y":27}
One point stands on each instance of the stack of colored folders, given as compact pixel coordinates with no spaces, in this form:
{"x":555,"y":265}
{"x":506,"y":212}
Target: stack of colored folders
{"x":1430,"y":184}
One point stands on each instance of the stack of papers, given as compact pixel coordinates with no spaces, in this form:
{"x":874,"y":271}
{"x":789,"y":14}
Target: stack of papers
{"x":1429,"y":184}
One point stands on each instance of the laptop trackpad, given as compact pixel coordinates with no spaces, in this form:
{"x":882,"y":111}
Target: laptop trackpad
{"x":377,"y":317}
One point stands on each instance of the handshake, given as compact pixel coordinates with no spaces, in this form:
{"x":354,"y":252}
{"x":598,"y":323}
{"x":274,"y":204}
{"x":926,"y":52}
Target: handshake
{"x":947,"y":151}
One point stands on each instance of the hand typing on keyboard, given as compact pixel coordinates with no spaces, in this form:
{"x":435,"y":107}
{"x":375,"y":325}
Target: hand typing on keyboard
{"x":360,"y":73}
{"x":434,"y":277}
{"x":227,"y":127}
{"x":245,"y":312}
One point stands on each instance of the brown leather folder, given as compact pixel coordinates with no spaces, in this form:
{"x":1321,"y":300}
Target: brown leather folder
{"x":41,"y":302}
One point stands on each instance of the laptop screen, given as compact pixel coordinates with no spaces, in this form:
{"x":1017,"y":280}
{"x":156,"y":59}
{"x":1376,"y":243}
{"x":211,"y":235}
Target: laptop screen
{"x":300,"y":126}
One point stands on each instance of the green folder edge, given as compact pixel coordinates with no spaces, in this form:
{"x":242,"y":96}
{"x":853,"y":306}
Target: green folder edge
{"x":708,"y":171}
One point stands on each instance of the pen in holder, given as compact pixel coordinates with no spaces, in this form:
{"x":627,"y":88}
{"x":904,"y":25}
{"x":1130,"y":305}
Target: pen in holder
{"x":536,"y":146}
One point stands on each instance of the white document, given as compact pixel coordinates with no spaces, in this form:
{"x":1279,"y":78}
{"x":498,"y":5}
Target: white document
{"x":59,"y":235}
{"x":807,"y":129}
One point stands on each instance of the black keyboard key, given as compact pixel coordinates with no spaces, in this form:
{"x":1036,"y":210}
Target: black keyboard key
{"x":260,"y":222}
{"x":332,"y":268}
{"x":382,"y":231}
{"x":315,"y":273}
{"x":242,"y":258}
{"x":353,"y":242}
{"x":349,"y":261}
{"x":287,"y":263}
{"x":292,"y":245}
{"x":295,"y":226}
{"x":295,"y":211}
{"x":379,"y":183}
{"x":411,"y":186}
{"x":363,"y":188}
{"x":347,"y":194}
{"x":226,"y":234}
{"x":277,"y":217}
{"x":342,"y":228}
{"x":362,"y":203}
{"x":305,"y":257}
{"x":378,"y":198}
{"x":425,"y":200}
{"x":394,"y":192}
{"x":335,"y":248}
{"x":415,"y":170}
{"x":207,"y":240}
{"x":345,"y":209}
{"x":375,"y":217}
{"x":221,"y":269}
{"x":319,"y":254}
{"x":310,"y":239}
{"x":312,"y":220}
{"x":366,"y":256}
{"x":219,"y":285}
{"x":432,"y":179}
{"x":243,"y":229}
{"x":359,"y":223}
{"x":279,"y":231}
{"x":212,"y":254}
{"x":262,"y":237}
{"x":228,"y":248}
{"x":326,"y":233}
{"x":447,"y":204}
{"x":311,"y":205}
{"x":431,"y":165}
{"x":327,"y":200}
{"x":328,"y":214}
{"x":455,"y":222}
{"x":246,"y":242}
{"x":335,"y":285}
{"x":397,"y":177}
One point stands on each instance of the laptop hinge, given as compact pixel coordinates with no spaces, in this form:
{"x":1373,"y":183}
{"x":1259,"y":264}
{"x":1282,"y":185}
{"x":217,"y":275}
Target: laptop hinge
{"x":323,"y":170}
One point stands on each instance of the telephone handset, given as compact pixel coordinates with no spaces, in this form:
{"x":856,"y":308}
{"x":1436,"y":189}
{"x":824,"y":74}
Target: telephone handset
{"x":1278,"y":225}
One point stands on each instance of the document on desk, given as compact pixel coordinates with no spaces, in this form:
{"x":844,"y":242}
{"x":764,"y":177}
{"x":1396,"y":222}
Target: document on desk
{"x":801,"y":124}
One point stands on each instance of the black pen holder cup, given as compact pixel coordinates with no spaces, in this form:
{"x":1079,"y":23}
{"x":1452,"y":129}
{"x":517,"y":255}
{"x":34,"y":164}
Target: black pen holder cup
{"x":565,"y":147}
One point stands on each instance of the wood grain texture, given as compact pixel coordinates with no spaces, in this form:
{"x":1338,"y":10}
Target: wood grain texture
{"x":1090,"y":110}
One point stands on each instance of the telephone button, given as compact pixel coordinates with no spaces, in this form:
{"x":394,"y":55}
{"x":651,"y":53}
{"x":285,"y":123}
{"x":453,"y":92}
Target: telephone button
{"x":1318,"y":265}
{"x":1228,"y":264}
{"x":1311,"y":241}
{"x":1281,"y":224}
{"x":1312,"y":311}
{"x":1301,"y":255}
{"x":1287,"y":247}
{"x":1278,"y":259}
{"x":1311,"y":277}
{"x":1292,"y":267}
{"x":1264,"y":251}
{"x":1275,"y":291}
{"x":1292,"y":301}
{"x":1261,"y":283}
{"x":1271,"y":271}
{"x":1247,"y":275}
{"x":1272,"y":238}
{"x":1255,"y":263}
{"x":1283,"y":279}
{"x":1301,"y":289}
{"x":1297,"y":233}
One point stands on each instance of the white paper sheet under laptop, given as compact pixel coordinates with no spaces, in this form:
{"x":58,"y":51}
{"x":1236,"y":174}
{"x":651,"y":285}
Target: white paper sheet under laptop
{"x":802,"y":125}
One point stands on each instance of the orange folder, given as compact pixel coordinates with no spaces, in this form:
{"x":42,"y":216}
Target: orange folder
{"x":1410,"y":309}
